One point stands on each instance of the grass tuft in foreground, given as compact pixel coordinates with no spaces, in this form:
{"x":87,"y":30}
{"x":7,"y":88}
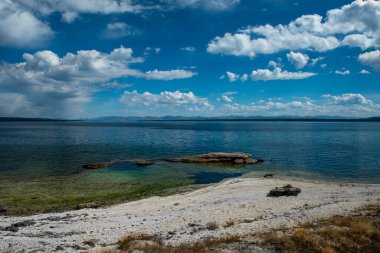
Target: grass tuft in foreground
{"x":153,"y":244}
{"x":360,"y":233}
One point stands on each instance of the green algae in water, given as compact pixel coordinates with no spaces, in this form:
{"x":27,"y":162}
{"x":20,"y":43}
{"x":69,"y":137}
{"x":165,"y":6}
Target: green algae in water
{"x":119,"y":183}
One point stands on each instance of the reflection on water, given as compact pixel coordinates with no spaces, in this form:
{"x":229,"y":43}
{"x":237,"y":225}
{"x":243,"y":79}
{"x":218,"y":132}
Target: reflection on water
{"x":40,"y":163}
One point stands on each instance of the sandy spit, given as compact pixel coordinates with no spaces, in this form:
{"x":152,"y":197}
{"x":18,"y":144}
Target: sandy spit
{"x":174,"y":217}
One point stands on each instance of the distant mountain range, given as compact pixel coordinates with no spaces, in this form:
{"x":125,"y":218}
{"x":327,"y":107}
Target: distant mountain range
{"x":184,"y":118}
{"x":231,"y":118}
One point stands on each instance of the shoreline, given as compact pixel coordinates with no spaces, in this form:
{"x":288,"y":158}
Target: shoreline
{"x":176,"y":217}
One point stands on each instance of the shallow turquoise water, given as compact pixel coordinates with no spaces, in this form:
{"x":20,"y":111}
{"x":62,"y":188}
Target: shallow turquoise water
{"x":41,"y":162}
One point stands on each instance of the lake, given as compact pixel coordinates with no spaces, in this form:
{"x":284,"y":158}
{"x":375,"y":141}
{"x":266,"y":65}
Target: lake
{"x":41,"y":162}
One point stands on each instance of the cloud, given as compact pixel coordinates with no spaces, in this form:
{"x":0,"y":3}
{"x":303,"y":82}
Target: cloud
{"x":270,"y":108}
{"x":232,"y":77}
{"x":244,"y":77}
{"x":278,"y":74}
{"x":149,"y":50}
{"x":188,"y":49}
{"x":314,"y":61}
{"x":356,"y":23}
{"x":299,"y":60}
{"x":69,"y":9}
{"x":349,"y":99}
{"x":364,"y":72}
{"x":212,"y":5}
{"x":226,"y":97}
{"x":343,"y":72}
{"x":58,"y":86}
{"x":22,"y":22}
{"x":348,"y":104}
{"x":117,"y":30}
{"x":166,"y":99}
{"x":12,"y":104}
{"x":371,"y":59}
{"x":169,"y":75}
{"x":20,"y":28}
{"x":359,"y":40}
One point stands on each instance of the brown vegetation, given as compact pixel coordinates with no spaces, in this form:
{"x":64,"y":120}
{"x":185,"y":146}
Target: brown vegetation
{"x":212,"y":226}
{"x":229,"y":223}
{"x":153,"y":244}
{"x":358,"y":233}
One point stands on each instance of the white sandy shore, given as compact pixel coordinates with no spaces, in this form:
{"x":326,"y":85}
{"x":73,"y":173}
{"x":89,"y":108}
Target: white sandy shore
{"x":242,"y":200}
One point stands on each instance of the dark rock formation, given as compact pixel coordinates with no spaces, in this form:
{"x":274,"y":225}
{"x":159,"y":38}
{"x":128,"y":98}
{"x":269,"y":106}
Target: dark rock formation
{"x":92,"y":166}
{"x":11,"y":229}
{"x":286,"y":190}
{"x":268,"y":175}
{"x":143,"y":162}
{"x":15,"y":227}
{"x":89,"y":205}
{"x":3,"y":208}
{"x":24,"y":223}
{"x":217,"y":157}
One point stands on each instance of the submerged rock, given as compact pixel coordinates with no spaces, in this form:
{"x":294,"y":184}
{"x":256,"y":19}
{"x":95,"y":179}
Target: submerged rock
{"x":143,"y":162}
{"x":3,"y":208}
{"x":287,"y":190}
{"x":92,"y":166}
{"x":89,"y":205}
{"x":216,"y":157}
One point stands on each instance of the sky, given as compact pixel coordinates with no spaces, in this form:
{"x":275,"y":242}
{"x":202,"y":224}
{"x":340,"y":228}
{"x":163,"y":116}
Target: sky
{"x":94,"y":58}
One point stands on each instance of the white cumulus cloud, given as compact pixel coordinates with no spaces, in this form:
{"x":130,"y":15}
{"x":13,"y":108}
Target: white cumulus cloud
{"x":356,"y":24}
{"x":349,"y":99}
{"x":232,"y":77}
{"x":20,"y":28}
{"x":278,"y":74}
{"x":299,"y":60}
{"x":371,"y":59}
{"x":168,"y":74}
{"x":54,"y":85}
{"x":166,"y":99}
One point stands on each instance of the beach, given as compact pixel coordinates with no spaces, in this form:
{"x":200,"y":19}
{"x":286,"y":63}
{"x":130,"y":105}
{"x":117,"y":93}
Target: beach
{"x":185,"y":217}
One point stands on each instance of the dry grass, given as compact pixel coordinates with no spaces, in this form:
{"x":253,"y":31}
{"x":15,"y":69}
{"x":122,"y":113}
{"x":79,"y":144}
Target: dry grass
{"x":359,"y":233}
{"x":229,"y":223}
{"x":153,"y":244}
{"x":337,"y":234}
{"x":212,"y":226}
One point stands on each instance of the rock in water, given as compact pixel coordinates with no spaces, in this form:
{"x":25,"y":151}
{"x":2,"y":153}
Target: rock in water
{"x":268,"y":175}
{"x":92,"y":166}
{"x":286,"y":190}
{"x":143,"y":162}
{"x":216,"y":157}
{"x":89,"y":205}
{"x":3,"y":208}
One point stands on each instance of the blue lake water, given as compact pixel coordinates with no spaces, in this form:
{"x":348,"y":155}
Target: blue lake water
{"x":40,"y":163}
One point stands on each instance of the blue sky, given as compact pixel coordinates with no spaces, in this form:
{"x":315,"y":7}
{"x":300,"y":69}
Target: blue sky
{"x":89,"y":58}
